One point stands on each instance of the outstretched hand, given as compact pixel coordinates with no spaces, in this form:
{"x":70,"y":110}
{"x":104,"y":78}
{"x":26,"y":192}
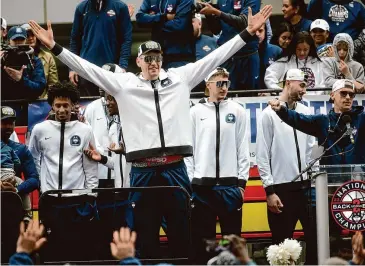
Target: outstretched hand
{"x":113,"y":148}
{"x":255,"y":22}
{"x":92,"y":153}
{"x":30,"y":240}
{"x":123,"y":245}
{"x":45,"y":36}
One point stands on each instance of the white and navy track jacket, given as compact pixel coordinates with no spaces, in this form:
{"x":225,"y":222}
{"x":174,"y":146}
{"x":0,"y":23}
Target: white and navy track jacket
{"x":117,"y":162}
{"x":281,"y":151}
{"x":154,"y":115}
{"x":220,"y":142}
{"x":58,"y":151}
{"x":96,"y":114}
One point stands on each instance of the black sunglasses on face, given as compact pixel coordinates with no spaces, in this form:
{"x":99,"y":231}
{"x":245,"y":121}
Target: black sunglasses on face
{"x":149,"y":58}
{"x":221,"y":83}
{"x":345,"y":93}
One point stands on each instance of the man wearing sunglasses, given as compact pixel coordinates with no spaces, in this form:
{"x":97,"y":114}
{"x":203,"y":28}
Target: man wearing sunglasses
{"x":278,"y":144}
{"x":154,"y":113}
{"x":219,"y":169}
{"x":329,"y":128}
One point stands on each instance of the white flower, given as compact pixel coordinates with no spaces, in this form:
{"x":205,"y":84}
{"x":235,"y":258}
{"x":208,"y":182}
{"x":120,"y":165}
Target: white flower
{"x":293,"y":247}
{"x":285,"y":253}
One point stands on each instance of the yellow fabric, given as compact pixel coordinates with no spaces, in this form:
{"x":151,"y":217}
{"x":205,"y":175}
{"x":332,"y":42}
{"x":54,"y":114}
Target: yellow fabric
{"x":50,"y":70}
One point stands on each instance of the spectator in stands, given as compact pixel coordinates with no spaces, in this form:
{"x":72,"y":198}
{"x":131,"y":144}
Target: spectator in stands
{"x":320,"y":34}
{"x":117,"y":162}
{"x":342,"y":66}
{"x":72,"y":136}
{"x":283,"y":36}
{"x":49,"y":64}
{"x":343,"y":16}
{"x":101,"y":33}
{"x":294,"y":12}
{"x":269,"y":53}
{"x":161,"y":153}
{"x":21,"y":82}
{"x":171,"y":28}
{"x":27,"y":168}
{"x":230,"y":18}
{"x":330,"y":128}
{"x":98,"y":117}
{"x":359,"y":48}
{"x":3,"y":30}
{"x":302,"y":54}
{"x":204,"y":44}
{"x":218,"y":179}
{"x":278,"y":143}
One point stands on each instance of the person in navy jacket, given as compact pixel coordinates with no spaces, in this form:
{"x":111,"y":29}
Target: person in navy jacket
{"x":101,"y":33}
{"x":294,"y":12}
{"x":171,"y":28}
{"x":343,"y":16}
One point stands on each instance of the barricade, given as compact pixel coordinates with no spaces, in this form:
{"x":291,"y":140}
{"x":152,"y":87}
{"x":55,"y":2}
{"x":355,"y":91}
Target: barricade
{"x":12,"y":214}
{"x":80,"y":223}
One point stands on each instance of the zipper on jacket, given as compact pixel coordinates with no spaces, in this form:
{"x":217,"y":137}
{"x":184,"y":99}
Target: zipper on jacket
{"x":217,"y":142}
{"x":298,"y":153}
{"x":120,"y":157}
{"x":158,"y":111}
{"x":60,"y":162}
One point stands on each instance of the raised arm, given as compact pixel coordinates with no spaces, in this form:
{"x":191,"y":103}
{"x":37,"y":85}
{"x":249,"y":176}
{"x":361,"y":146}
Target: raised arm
{"x":194,"y":73}
{"x":308,"y":124}
{"x":108,"y":81}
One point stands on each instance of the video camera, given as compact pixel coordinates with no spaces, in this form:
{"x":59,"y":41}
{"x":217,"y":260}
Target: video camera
{"x":199,"y":6}
{"x":17,"y":56}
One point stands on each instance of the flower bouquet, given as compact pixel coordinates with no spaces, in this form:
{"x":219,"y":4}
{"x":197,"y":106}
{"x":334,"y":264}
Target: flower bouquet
{"x":286,"y":253}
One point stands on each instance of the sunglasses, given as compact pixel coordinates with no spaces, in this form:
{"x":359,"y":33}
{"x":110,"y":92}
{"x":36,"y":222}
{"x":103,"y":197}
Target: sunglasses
{"x":345,"y":93}
{"x":221,"y":83}
{"x":149,"y":58}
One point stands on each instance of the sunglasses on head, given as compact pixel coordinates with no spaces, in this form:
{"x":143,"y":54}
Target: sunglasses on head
{"x":345,"y":93}
{"x":149,"y":58}
{"x":221,"y":83}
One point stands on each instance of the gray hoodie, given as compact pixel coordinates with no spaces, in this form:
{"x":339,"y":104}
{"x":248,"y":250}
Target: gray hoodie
{"x":331,"y":64}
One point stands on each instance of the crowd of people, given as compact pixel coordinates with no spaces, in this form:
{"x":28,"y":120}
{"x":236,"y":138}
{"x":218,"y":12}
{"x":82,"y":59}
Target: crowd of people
{"x":142,"y":132}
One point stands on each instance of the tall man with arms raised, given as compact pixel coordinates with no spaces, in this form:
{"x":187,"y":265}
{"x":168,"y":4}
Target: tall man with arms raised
{"x":154,"y":112}
{"x":278,"y":145}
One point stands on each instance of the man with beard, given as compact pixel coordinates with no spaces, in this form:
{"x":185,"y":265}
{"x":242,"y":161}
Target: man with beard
{"x":101,"y":33}
{"x":278,"y":145}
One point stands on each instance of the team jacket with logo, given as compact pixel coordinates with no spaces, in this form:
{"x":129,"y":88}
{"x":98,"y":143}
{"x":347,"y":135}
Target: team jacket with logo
{"x":96,"y":115}
{"x":220,"y":141}
{"x":154,"y":115}
{"x":58,"y":154}
{"x":280,"y":154}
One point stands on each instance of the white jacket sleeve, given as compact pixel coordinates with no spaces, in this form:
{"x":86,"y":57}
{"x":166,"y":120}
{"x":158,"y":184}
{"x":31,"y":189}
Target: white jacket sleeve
{"x":90,"y":167}
{"x":243,"y":146}
{"x":35,"y":149}
{"x":274,"y":74}
{"x":264,"y":139}
{"x":111,"y":82}
{"x":194,"y":73}
{"x":189,"y":161}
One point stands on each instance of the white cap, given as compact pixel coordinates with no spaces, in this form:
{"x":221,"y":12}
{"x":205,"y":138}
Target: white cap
{"x":26,"y":26}
{"x":295,"y":74}
{"x":198,"y":16}
{"x":320,"y":24}
{"x":218,"y":69}
{"x":3,"y":23}
{"x":343,"y":83}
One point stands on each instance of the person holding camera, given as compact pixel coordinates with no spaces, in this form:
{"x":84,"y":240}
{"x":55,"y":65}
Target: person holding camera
{"x":22,"y":74}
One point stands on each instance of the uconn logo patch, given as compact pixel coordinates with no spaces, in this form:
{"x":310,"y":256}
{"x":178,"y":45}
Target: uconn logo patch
{"x":230,"y":118}
{"x":75,"y":140}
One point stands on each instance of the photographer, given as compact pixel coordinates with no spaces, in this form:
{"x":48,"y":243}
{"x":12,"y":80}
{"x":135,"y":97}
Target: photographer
{"x":22,"y":75}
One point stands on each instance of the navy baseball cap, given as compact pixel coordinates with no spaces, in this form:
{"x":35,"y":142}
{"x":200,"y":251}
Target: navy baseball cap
{"x":7,"y":113}
{"x":17,"y":32}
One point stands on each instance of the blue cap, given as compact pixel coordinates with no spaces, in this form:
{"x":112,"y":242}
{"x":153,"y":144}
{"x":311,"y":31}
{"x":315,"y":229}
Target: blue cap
{"x":17,"y":32}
